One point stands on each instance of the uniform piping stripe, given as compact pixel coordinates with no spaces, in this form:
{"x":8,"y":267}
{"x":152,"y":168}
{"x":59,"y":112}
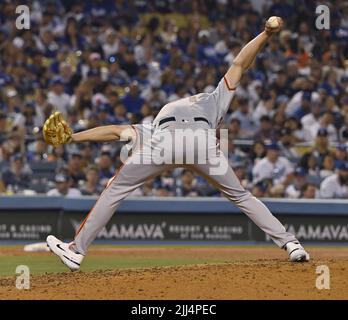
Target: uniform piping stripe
{"x":89,"y":213}
{"x":228,"y":86}
{"x":114,"y":177}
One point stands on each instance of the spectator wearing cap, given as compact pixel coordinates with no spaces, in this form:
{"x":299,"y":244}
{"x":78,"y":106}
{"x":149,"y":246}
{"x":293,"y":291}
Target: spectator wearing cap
{"x":91,"y":186}
{"x":293,"y":190}
{"x":321,"y":144}
{"x":265,"y":107}
{"x":287,"y":142}
{"x":186,"y":185}
{"x":340,"y":153}
{"x":120,"y":114}
{"x":132,"y":99}
{"x":106,"y":169}
{"x":336,"y":185}
{"x":91,"y":66}
{"x":116,"y":75}
{"x":104,"y":114}
{"x":326,"y":122}
{"x":75,"y":169}
{"x":312,"y":119}
{"x":37,"y":151}
{"x":62,"y":188}
{"x":261,"y":188}
{"x":265,"y":131}
{"x":33,"y":117}
{"x":305,"y":105}
{"x":17,"y":177}
{"x":273,"y":167}
{"x":320,"y":149}
{"x":142,"y":78}
{"x":57,"y":97}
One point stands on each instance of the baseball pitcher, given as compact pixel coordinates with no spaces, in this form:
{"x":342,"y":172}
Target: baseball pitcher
{"x":153,"y":152}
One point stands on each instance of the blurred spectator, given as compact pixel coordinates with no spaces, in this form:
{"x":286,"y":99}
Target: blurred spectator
{"x":57,"y":97}
{"x":17,"y":177}
{"x":261,"y":189}
{"x":273,"y":167}
{"x":187,"y":185}
{"x":91,"y":186}
{"x":106,"y":169}
{"x":294,"y":189}
{"x":132,"y":99}
{"x":309,"y":191}
{"x":75,"y":169}
{"x":62,"y":188}
{"x":336,"y":185}
{"x":98,"y":64}
{"x":328,"y":166}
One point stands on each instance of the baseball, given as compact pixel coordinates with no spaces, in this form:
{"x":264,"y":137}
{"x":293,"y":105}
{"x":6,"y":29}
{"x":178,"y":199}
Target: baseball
{"x":273,"y":22}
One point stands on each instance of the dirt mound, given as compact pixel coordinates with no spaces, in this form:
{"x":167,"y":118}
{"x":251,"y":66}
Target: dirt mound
{"x":245,"y":279}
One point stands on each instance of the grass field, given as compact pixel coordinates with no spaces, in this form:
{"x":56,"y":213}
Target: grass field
{"x":103,"y":257}
{"x":176,"y":272}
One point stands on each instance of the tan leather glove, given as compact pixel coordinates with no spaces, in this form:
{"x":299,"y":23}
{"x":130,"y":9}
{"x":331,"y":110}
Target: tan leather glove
{"x":56,"y":131}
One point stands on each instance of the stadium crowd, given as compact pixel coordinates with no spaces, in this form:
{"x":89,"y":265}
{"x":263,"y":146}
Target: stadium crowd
{"x":103,"y":62}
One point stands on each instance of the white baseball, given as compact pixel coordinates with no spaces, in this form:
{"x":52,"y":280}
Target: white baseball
{"x":273,"y":22}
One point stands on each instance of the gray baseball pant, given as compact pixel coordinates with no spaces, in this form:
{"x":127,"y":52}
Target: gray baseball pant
{"x":131,"y":176}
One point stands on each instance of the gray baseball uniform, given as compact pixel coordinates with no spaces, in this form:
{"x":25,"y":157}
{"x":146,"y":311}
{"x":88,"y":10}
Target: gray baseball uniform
{"x":200,"y":113}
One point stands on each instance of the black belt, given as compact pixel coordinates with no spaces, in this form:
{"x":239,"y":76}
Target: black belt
{"x":164,"y":120}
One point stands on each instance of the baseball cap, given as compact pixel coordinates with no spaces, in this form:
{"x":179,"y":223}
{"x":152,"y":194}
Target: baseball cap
{"x":322,"y":132}
{"x":104,"y":107}
{"x":342,"y":147}
{"x":17,"y":156}
{"x":263,"y":185}
{"x":57,"y":80}
{"x":342,"y":165}
{"x":61,"y":178}
{"x":203,"y":33}
{"x":299,"y":171}
{"x":273,"y":146}
{"x":307,"y":95}
{"x":281,"y":99}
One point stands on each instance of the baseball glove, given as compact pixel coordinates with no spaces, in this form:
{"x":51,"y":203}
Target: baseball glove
{"x":56,"y":131}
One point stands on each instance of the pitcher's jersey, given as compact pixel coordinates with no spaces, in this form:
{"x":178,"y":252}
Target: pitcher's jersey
{"x":212,"y":106}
